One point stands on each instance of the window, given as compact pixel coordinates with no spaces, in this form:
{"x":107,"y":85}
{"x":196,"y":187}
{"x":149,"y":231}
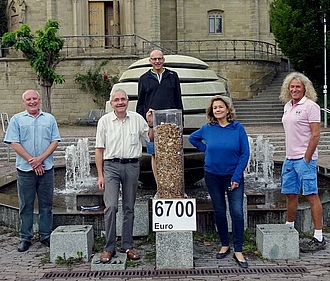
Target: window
{"x":215,"y":22}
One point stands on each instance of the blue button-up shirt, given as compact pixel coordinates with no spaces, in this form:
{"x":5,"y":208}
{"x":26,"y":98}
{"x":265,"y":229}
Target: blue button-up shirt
{"x":35,"y":134}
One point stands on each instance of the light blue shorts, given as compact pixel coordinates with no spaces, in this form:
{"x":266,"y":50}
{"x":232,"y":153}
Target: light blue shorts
{"x":297,"y":174}
{"x":150,"y":147}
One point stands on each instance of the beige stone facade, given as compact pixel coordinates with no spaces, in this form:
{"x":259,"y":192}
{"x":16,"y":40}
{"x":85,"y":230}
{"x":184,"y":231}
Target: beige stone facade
{"x":151,"y":19}
{"x":157,"y":21}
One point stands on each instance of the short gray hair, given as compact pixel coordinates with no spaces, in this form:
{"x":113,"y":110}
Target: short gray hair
{"x":23,"y":95}
{"x":116,"y":91}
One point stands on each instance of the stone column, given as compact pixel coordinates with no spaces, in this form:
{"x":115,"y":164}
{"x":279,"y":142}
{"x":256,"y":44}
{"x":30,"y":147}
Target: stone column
{"x":51,"y":9}
{"x":155,"y":22}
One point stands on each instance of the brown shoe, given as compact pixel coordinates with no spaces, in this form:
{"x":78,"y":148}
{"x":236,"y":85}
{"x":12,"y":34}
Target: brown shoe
{"x":131,"y":254}
{"x":107,"y":256}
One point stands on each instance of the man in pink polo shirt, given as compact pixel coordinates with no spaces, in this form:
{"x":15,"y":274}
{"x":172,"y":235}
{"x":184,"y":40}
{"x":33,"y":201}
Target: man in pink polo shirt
{"x":301,"y":122}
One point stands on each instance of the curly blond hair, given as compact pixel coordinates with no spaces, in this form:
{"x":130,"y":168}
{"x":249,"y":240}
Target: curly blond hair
{"x":228,"y":102}
{"x":310,"y":92}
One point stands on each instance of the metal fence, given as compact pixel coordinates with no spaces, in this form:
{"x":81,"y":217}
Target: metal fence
{"x":134,"y":45}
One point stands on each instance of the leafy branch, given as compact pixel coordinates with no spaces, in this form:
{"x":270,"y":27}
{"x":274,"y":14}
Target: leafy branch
{"x":97,"y":82}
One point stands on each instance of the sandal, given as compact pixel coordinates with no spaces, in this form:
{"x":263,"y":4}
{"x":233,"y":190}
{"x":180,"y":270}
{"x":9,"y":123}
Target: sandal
{"x":131,"y":254}
{"x":106,"y":256}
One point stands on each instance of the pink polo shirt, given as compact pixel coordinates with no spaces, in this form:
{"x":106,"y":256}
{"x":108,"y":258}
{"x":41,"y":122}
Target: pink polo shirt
{"x":296,"y":120}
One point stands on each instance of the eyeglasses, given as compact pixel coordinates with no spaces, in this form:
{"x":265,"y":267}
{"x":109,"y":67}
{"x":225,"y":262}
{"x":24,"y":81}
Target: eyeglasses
{"x":119,"y":99}
{"x":156,"y":59}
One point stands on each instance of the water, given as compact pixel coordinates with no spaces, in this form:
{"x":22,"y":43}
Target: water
{"x":260,"y":168}
{"x":262,"y":177}
{"x":77,"y":163}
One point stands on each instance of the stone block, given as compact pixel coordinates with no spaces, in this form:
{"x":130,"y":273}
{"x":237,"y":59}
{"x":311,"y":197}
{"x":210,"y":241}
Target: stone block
{"x":118,"y":262}
{"x":174,"y":250}
{"x":277,"y":241}
{"x":141,"y":219}
{"x":67,"y":240}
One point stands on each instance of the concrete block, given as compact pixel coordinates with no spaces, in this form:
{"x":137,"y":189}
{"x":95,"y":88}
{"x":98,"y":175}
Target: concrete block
{"x":141,"y":219}
{"x":174,"y":250}
{"x":67,"y":240}
{"x":277,"y":241}
{"x":118,"y":262}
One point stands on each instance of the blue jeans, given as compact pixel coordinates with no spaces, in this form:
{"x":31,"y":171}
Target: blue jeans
{"x":28,"y":186}
{"x":218,"y":188}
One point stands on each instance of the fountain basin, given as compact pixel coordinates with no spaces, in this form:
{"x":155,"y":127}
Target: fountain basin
{"x":264,"y":206}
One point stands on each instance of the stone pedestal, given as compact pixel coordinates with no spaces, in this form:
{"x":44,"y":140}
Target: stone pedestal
{"x":141,"y":219}
{"x":174,"y":250}
{"x":277,"y":241}
{"x":67,"y":240}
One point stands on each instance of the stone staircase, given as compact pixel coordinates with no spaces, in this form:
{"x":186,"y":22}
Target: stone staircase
{"x":263,"y":109}
{"x":278,"y":141}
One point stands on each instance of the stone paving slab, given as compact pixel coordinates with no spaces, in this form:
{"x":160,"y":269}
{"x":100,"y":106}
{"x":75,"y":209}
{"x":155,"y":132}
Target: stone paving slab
{"x":28,"y":266}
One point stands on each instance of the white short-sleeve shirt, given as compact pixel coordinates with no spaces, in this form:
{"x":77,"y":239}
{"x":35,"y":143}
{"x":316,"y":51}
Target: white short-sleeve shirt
{"x":121,"y":138}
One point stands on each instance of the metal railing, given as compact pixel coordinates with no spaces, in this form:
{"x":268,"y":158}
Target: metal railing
{"x":134,"y":45}
{"x":4,"y":123}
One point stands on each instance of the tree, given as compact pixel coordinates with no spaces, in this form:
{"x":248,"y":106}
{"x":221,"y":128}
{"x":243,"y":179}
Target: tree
{"x":298,"y":28}
{"x":42,"y":50}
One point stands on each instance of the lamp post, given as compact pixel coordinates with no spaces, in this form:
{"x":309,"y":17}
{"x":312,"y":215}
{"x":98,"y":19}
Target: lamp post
{"x":325,"y":90}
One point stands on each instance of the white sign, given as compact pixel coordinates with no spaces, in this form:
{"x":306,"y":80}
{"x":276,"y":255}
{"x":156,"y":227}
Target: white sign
{"x":173,"y":214}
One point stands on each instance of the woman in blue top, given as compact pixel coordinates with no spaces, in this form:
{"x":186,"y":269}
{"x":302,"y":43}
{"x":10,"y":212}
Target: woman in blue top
{"x":226,"y":147}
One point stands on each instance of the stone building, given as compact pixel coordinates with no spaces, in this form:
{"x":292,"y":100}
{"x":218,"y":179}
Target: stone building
{"x":233,"y":37}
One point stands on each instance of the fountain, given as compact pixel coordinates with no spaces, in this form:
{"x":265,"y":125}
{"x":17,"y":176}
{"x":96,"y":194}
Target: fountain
{"x":265,"y":202}
{"x":260,"y":168}
{"x":77,"y":163}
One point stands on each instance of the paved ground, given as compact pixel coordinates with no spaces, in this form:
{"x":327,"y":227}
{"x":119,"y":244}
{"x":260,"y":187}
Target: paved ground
{"x":33,"y":265}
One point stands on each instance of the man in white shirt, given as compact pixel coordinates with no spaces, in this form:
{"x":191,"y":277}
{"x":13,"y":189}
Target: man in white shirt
{"x":117,"y":150}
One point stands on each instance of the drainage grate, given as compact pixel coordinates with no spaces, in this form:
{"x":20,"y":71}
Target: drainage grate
{"x":174,"y":272}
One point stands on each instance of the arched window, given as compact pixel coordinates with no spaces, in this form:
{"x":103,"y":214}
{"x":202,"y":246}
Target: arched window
{"x":215,"y":22}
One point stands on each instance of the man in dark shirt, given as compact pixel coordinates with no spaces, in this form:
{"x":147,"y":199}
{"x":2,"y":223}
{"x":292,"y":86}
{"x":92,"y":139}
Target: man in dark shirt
{"x":158,"y":88}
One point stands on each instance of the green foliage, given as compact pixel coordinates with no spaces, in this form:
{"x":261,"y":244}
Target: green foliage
{"x":298,"y":28}
{"x":46,"y":258}
{"x":42,"y":51}
{"x":150,"y":257}
{"x":130,"y":263}
{"x":71,"y":261}
{"x":249,"y":244}
{"x":99,"y":243}
{"x":97,"y":83}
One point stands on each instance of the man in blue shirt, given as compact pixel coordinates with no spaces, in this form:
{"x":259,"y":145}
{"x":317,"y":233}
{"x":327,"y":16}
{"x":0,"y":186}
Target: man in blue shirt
{"x":34,"y":136}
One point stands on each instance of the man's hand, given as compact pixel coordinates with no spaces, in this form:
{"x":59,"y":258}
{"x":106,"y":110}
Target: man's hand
{"x":150,"y":117}
{"x":35,"y":162}
{"x":100,"y":183}
{"x":39,"y":170}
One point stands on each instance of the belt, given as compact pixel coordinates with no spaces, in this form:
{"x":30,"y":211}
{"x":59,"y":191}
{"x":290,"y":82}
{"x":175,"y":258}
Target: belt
{"x":123,"y":160}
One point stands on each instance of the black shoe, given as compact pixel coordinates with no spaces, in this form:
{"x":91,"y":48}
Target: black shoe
{"x":46,"y":241}
{"x":242,"y":264}
{"x":223,"y":255}
{"x":24,"y":246}
{"x":313,"y":245}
